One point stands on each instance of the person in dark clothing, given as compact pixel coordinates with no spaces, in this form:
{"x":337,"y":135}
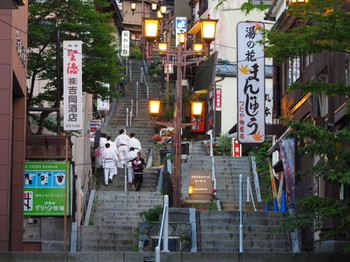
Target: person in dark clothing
{"x":138,"y":164}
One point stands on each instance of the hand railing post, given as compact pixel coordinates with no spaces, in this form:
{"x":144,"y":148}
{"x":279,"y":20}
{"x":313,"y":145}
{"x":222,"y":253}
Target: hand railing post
{"x":166,"y":225}
{"x":240,"y":213}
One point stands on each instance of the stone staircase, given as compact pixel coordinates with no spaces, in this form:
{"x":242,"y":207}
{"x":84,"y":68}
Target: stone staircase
{"x":227,"y":171}
{"x":141,"y":123}
{"x":218,"y":232}
{"x":114,"y":220}
{"x":115,"y":213}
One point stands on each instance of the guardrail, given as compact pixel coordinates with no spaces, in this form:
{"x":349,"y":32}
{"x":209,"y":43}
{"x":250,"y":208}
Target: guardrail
{"x":164,"y":226}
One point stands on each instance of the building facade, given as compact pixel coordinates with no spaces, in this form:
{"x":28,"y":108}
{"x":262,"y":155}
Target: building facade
{"x":326,"y":112}
{"x":13,"y":42}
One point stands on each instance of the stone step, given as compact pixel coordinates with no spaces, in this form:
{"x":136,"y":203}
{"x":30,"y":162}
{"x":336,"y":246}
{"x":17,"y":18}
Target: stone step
{"x":248,"y":236}
{"x":252,"y":245}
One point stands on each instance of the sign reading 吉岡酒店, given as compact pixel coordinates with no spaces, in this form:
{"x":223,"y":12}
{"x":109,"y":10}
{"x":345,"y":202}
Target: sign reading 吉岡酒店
{"x":250,"y":83}
{"x":72,"y":85}
{"x":44,"y":188}
{"x":125,"y":43}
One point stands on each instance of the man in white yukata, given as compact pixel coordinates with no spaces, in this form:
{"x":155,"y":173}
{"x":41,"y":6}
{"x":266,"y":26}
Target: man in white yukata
{"x":102,"y":142}
{"x":115,"y":149}
{"x":109,"y":158}
{"x":134,"y":142}
{"x":122,"y":144}
{"x":129,"y":157}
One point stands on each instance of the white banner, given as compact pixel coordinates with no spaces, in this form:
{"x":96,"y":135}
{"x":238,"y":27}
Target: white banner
{"x":125,"y":43}
{"x":250,"y":83}
{"x":72,"y":85}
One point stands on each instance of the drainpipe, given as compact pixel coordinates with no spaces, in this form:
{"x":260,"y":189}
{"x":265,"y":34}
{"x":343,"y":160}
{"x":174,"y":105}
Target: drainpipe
{"x":214,"y":106}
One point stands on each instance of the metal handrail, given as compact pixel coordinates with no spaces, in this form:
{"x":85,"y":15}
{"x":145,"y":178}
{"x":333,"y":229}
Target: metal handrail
{"x":240,"y":213}
{"x":131,"y":111}
{"x":143,"y":78}
{"x":130,"y":71}
{"x":250,"y":191}
{"x":164,"y":226}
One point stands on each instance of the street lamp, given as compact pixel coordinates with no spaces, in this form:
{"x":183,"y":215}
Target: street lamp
{"x":154,"y":107}
{"x":180,"y":61}
{"x":133,"y":7}
{"x":181,"y":38}
{"x":151,"y":26}
{"x":163,"y":9}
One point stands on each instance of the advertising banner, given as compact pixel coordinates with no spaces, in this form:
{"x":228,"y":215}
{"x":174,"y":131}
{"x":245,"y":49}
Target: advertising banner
{"x":72,"y":85}
{"x":250,"y":83}
{"x":44,"y":188}
{"x":288,"y":160}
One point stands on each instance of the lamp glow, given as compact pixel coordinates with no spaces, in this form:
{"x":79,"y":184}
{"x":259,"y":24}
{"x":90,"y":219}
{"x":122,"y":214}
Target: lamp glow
{"x":190,"y":189}
{"x":133,"y":6}
{"x":208,"y":30}
{"x":197,"y":108}
{"x":154,"y":106}
{"x":197,"y":47}
{"x":181,"y":37}
{"x":163,"y":46}
{"x":163,"y":9}
{"x":151,"y":28}
{"x":154,"y":6}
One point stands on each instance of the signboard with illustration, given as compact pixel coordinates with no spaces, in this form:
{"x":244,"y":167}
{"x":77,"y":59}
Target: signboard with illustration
{"x":44,"y":188}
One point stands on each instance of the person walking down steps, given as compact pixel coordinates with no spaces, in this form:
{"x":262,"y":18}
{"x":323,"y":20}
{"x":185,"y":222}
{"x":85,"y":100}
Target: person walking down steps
{"x":109,"y":159}
{"x":138,"y":164}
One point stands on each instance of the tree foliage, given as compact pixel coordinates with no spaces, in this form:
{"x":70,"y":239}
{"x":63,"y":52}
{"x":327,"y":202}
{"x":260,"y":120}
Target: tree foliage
{"x":77,"y":20}
{"x":321,"y":26}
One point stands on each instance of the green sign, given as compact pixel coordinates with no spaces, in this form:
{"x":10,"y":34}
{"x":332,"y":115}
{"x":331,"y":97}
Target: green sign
{"x":44,"y":187}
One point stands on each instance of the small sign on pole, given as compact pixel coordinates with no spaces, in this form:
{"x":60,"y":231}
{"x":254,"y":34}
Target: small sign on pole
{"x":125,"y":43}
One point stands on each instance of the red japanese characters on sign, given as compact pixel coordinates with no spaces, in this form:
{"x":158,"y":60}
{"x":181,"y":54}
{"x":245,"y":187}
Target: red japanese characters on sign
{"x":72,"y":85}
{"x":237,"y":148}
{"x":218,"y":97}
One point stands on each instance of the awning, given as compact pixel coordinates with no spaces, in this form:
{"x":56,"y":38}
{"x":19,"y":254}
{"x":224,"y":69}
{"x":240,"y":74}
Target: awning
{"x":195,"y":28}
{"x":196,"y":94}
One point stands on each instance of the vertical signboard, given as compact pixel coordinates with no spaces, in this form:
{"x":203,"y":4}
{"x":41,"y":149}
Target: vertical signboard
{"x":72,"y":85}
{"x":250,"y":83}
{"x":237,"y":148}
{"x":125,"y":43}
{"x":218,"y":97}
{"x":44,"y":188}
{"x":181,"y":27}
{"x":287,"y":150}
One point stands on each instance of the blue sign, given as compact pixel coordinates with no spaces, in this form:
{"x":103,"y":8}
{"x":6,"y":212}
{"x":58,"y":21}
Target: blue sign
{"x":181,"y":23}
